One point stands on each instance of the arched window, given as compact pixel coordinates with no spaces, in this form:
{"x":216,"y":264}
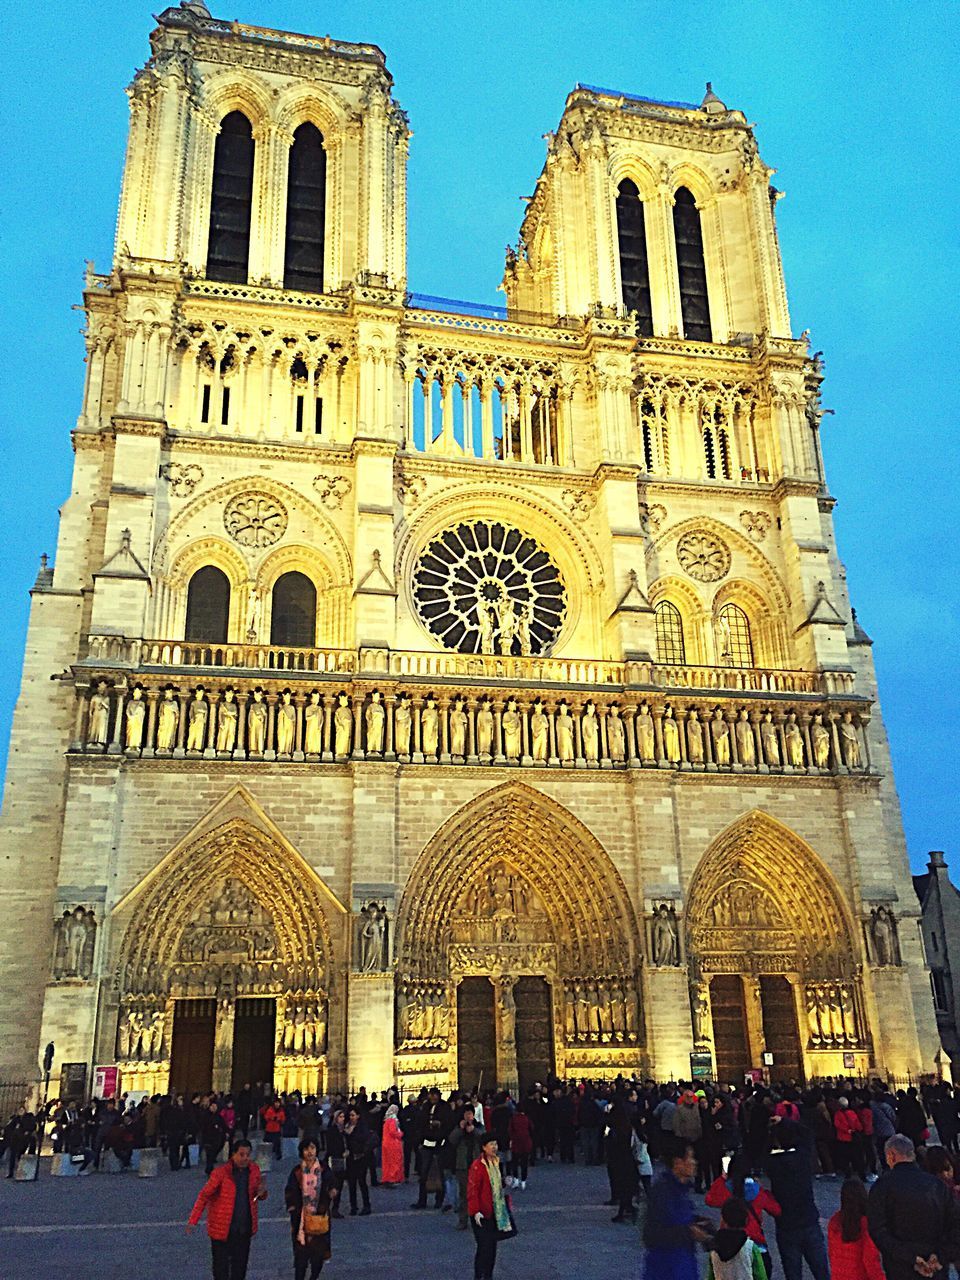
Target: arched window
{"x":634,"y":275}
{"x":694,"y":303}
{"x":293,"y":618}
{"x":228,"y":249}
{"x":670,"y":646}
{"x":208,"y":606}
{"x":306,"y":199}
{"x":733,"y":637}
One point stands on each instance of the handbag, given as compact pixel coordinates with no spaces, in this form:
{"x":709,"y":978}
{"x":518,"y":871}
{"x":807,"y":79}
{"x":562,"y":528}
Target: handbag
{"x":315,"y":1224}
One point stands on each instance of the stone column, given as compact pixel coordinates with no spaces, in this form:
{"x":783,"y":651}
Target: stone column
{"x":116,"y":741}
{"x":602,"y":747}
{"x":223,"y":1046}
{"x":182,"y":724}
{"x":270,"y":746}
{"x":444,"y":709}
{"x":358,"y":752}
{"x":416,"y":704}
{"x":497,"y":737}
{"x":754,"y":1011}
{"x":661,"y":761}
{"x":390,"y":702}
{"x":506,"y":1023}
{"x":210,"y":748}
{"x":524,"y":711}
{"x":299,"y":701}
{"x":328,"y":705}
{"x":240,"y":752}
{"x":731,"y":718}
{"x":553,"y":757}
{"x":804,"y":722}
{"x":471,"y":730}
{"x":838,"y":765}
{"x":78,"y":720}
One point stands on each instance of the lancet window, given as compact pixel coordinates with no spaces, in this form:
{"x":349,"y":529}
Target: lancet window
{"x":691,"y":268}
{"x":228,"y":248}
{"x":306,"y":203}
{"x":293,"y":616}
{"x":634,"y":271}
{"x":734,"y":642}
{"x":208,"y":606}
{"x":669,"y":630}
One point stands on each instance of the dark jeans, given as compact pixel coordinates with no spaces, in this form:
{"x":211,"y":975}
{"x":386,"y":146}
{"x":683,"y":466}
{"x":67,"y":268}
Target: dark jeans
{"x":211,"y":1154}
{"x":409,"y":1151}
{"x":308,"y":1256}
{"x":486,"y":1255}
{"x":591,"y":1145}
{"x":804,"y":1245}
{"x":427,"y":1156}
{"x":230,"y":1257}
{"x":176,"y":1149}
{"x":276,"y":1141}
{"x":519,"y":1166}
{"x":357,"y":1169}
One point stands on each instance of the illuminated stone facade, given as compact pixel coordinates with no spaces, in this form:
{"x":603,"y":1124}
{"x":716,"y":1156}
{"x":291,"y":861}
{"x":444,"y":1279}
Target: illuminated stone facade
{"x":428,"y":693}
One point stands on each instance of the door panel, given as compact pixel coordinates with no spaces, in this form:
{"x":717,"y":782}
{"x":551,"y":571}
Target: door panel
{"x":729,"y":1027}
{"x":191,"y":1051}
{"x":476,"y":1034}
{"x":535,"y":1059}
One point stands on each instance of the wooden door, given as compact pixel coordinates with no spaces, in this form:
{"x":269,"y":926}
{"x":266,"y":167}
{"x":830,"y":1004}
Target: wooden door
{"x":730,"y":1041}
{"x":191,"y":1050}
{"x":254,"y":1032}
{"x":780,"y":1033}
{"x":476,"y":1034}
{"x":535,"y":1060}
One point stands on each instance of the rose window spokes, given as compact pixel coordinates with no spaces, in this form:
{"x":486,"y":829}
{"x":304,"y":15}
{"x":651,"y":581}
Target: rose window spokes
{"x":485,"y":587}
{"x":703,"y":556}
{"x":254,"y":519}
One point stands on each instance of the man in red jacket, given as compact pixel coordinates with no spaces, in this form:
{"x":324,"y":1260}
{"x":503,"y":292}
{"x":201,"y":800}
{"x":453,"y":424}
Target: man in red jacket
{"x":230,"y":1196}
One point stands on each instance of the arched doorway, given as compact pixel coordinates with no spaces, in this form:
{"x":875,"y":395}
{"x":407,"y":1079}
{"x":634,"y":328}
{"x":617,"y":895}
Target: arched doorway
{"x":518,"y":949}
{"x":772,"y":961}
{"x":226,"y":969}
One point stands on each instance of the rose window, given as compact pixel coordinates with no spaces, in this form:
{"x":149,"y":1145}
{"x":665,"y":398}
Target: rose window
{"x":485,"y":587}
{"x":703,"y":556}
{"x":254,"y":519}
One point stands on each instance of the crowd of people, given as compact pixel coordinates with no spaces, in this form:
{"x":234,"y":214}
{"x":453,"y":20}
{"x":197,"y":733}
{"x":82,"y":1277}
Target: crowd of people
{"x":753,"y":1152}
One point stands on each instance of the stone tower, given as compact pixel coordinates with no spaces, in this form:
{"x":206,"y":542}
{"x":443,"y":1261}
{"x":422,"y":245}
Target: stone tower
{"x":420,"y":692}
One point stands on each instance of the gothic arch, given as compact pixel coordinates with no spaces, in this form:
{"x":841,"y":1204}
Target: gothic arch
{"x":693,"y":610}
{"x":762,"y":901}
{"x":591,"y":918}
{"x":318,"y":105}
{"x":660,"y":557}
{"x":237,"y":89}
{"x":697,"y":181}
{"x":627,"y":164}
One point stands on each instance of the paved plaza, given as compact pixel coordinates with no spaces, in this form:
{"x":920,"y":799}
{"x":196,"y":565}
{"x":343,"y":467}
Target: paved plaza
{"x":123,"y":1227}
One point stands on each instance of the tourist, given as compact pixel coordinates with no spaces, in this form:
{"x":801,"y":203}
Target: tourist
{"x":274,"y":1118}
{"x":337,"y":1156}
{"x":19,"y":1136}
{"x":244,"y":1109}
{"x":737,"y":1184}
{"x":733,"y":1254}
{"x":358,"y":1143}
{"x":884,"y":1123}
{"x":849,"y":1130}
{"x":521,"y":1146}
{"x":673,"y":1229}
{"x":621,"y":1166}
{"x":230,"y":1196}
{"x":463,"y":1146}
{"x":410,"y":1127}
{"x":943,"y":1165}
{"x":799,"y":1237}
{"x":911,"y":1117}
{"x":487,"y":1207}
{"x":310,"y":1192}
{"x":688,"y":1126}
{"x":853,"y":1255}
{"x":213,"y":1134}
{"x":391,"y":1146}
{"x":175,"y":1132}
{"x":914,"y":1219}
{"x":436,"y":1122}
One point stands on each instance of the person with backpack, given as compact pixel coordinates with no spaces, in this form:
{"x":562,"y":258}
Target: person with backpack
{"x":737,"y":1184}
{"x":733,"y":1255}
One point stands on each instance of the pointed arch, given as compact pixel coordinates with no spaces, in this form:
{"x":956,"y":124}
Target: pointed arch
{"x":590,"y":915}
{"x":762,"y":901}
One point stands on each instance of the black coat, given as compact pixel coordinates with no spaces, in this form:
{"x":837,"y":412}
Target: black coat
{"x":791,"y":1181}
{"x":911,"y":1214}
{"x":293,"y":1198}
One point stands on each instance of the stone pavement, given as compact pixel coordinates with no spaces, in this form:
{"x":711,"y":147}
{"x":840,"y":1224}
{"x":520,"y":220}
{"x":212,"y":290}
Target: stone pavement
{"x":126,"y":1228}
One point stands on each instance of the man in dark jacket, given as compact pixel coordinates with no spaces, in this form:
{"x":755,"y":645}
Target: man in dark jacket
{"x":799,"y":1236}
{"x":436,"y":1121}
{"x":462,"y":1148}
{"x":913,"y":1219}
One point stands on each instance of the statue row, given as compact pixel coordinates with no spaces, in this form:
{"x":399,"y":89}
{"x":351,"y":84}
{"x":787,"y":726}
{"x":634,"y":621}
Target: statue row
{"x":242,"y":978}
{"x":140,"y":1035}
{"x":601,"y":1012}
{"x":74,"y":943}
{"x":831,"y":1015}
{"x":303,"y":1030}
{"x":314,"y":726}
{"x":422,"y":1013}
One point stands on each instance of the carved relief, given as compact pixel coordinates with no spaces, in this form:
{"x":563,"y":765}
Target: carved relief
{"x":74,"y":941}
{"x":652,"y":516}
{"x":183,"y":477}
{"x":332,"y":490}
{"x":579,"y":502}
{"x":703,"y":556}
{"x":664,"y":937}
{"x":883,"y":945}
{"x":255,"y":519}
{"x":410,"y":490}
{"x":371,"y":938}
{"x":756,"y":524}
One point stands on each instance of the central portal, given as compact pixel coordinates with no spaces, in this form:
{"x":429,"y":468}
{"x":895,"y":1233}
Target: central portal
{"x":535,"y":1059}
{"x":191,"y":1053}
{"x":254,"y":1038}
{"x":476,"y":1034}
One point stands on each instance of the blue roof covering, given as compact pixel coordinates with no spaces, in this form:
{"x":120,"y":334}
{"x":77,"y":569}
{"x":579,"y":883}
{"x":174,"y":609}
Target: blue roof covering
{"x":636,"y":97}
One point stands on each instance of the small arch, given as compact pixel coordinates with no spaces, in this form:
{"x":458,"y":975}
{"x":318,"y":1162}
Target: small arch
{"x":231,"y":201}
{"x":208,"y":606}
{"x":671,"y":648}
{"x":632,"y":243}
{"x":306,"y":210}
{"x":293,"y":612}
{"x":691,"y":267}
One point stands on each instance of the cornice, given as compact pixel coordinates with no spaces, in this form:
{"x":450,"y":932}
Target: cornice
{"x":306,"y":453}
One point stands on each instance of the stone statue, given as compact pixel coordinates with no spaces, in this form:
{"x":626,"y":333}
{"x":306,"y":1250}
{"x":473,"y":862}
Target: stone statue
{"x":430,"y":728}
{"x":523,"y":629}
{"x":631,"y":1011}
{"x":511,"y":731}
{"x":617,"y":1009}
{"x":616,"y":739}
{"x":794,"y":741}
{"x":342,"y":726}
{"x":569,"y":1014}
{"x":74,"y":938}
{"x":372,"y":936}
{"x":695,"y":739}
{"x":720,"y":732}
{"x":564,"y":727}
{"x":167,"y":718}
{"x":487,"y":620}
{"x":701,"y":1015}
{"x":256,"y":725}
{"x":484,"y":730}
{"x":583,"y":1010}
{"x":458,"y":729}
{"x":645,"y":735}
{"x":286,"y":724}
{"x":376,"y":718}
{"x":849,"y":741}
{"x":883,"y":936}
{"x":506,"y":1012}
{"x":666,"y":946}
{"x":254,"y":608}
{"x":768,"y":736}
{"x":590,"y":732}
{"x":813,"y":1022}
{"x":508,"y":625}
{"x":197,"y":721}
{"x":98,"y":724}
{"x":227,"y":723}
{"x":746,"y":744}
{"x":135,"y":716}
{"x":539,"y":733}
{"x":603,"y":1011}
{"x":671,"y":737}
{"x":402,"y":720}
{"x":820,"y":740}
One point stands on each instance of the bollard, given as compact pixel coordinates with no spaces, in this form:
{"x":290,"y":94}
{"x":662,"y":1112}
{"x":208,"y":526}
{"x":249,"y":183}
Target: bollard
{"x":62,"y":1166}
{"x":289,"y":1147}
{"x":26,"y":1169}
{"x":263,"y":1156}
{"x":110,"y":1163}
{"x":149,"y":1166}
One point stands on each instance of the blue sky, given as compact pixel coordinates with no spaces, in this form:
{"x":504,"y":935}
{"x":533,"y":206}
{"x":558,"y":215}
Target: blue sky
{"x":853,"y":106}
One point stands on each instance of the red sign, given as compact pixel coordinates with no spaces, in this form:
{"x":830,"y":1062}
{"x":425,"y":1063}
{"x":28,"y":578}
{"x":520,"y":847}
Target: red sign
{"x":106,"y":1082}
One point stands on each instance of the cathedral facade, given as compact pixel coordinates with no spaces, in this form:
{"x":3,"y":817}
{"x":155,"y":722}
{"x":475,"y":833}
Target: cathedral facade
{"x":445,"y":693}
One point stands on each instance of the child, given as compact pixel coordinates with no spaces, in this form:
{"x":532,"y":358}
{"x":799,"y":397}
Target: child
{"x":853,"y":1255}
{"x":737,"y":1184}
{"x":733,"y":1255}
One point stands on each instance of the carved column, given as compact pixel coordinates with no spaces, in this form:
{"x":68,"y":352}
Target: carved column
{"x":270,"y":746}
{"x":471,"y":709}
{"x":240,"y":752}
{"x":210,"y":748}
{"x":497,"y":737}
{"x":184,"y":699}
{"x":661,"y":760}
{"x":731,"y":718}
{"x":864,"y":722}
{"x":779,"y":719}
{"x":630,"y":749}
{"x":328,"y":704}
{"x":754,"y":718}
{"x":838,"y":765}
{"x":358,"y":752}
{"x":416,"y":705}
{"x":390,"y":701}
{"x":602,"y":748}
{"x":576,"y":711}
{"x":754,"y":1009}
{"x":553,"y":756}
{"x":116,"y":740}
{"x":524,"y":713}
{"x":804,"y":721}
{"x":78,"y":720}
{"x":223,"y":1045}
{"x":299,"y":701}
{"x":506,"y":1022}
{"x":444,"y":728}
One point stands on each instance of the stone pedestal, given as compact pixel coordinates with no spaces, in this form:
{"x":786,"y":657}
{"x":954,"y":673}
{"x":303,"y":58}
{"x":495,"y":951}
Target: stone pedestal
{"x":61,"y":1166}
{"x":370,"y":1029}
{"x":110,"y":1163}
{"x":150,"y":1158}
{"x":668,"y":1022}
{"x":26,"y":1169}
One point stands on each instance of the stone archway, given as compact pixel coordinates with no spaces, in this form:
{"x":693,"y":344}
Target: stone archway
{"x":514,"y":887}
{"x":772,"y":959}
{"x":226,"y":944}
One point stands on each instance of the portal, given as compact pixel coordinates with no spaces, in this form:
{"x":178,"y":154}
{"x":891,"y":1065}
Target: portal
{"x":191,"y":1054}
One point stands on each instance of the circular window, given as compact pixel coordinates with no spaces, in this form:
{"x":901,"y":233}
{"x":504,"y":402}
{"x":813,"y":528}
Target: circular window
{"x":485,"y":587}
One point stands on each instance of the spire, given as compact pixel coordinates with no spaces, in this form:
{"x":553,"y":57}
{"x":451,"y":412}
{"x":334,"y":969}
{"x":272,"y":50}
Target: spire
{"x":711,"y":103}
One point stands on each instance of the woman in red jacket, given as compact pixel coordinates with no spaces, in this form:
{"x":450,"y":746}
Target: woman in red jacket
{"x":738,"y":1184}
{"x":848,"y":1129}
{"x":230,"y":1197}
{"x":487,"y":1207}
{"x":853,"y":1255}
{"x":521,"y":1145}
